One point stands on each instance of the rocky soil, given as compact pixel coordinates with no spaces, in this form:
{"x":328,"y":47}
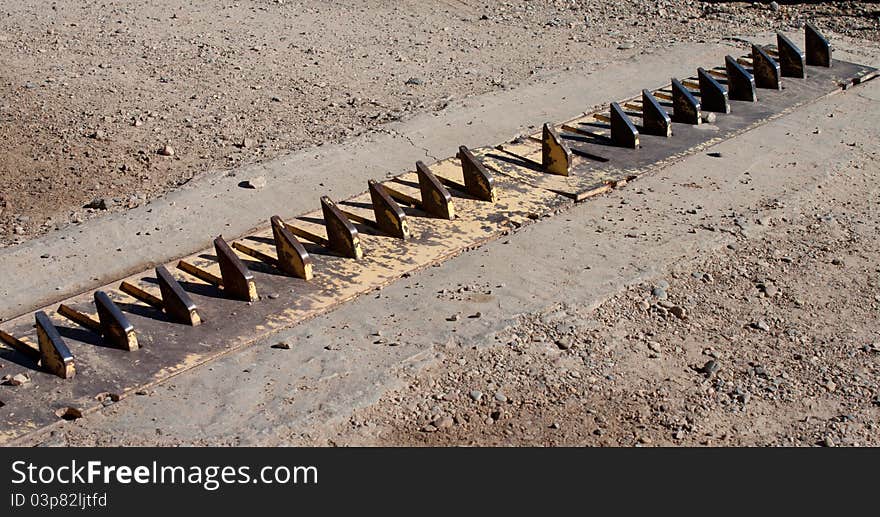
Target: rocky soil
{"x":773,"y":340}
{"x":103,"y":107}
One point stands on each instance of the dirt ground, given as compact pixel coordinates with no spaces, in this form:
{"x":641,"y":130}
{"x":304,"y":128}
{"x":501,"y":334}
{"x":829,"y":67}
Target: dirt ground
{"x":104,"y":107}
{"x":770,"y":341}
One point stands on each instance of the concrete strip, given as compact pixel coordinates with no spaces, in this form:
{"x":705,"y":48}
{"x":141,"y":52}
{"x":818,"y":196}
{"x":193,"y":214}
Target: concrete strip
{"x":350,"y":357}
{"x":99,"y":251}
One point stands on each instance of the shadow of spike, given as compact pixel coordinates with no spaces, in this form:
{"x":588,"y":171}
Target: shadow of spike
{"x":685,"y":107}
{"x":713,"y":96}
{"x":342,"y":236}
{"x":477,"y":180}
{"x":115,"y":327}
{"x":818,"y":49}
{"x":293,"y":258}
{"x":555,"y":155}
{"x":740,"y":83}
{"x":55,"y":356}
{"x":238,"y":281}
{"x":765,"y":69}
{"x":655,"y":120}
{"x":623,"y":131}
{"x":436,"y":200}
{"x":175,"y":301}
{"x":792,"y":61}
{"x":390,"y":218}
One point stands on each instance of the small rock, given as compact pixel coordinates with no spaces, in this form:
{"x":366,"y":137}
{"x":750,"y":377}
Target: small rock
{"x":827,"y":442}
{"x":476,"y":395}
{"x":710,"y":368}
{"x":100,"y":204}
{"x":761,"y":325}
{"x":282,"y":345}
{"x":715,"y":154}
{"x":98,"y":135}
{"x":774,"y":6}
{"x":678,"y":312}
{"x":625,"y":46}
{"x":16,"y":380}
{"x":444,"y":422}
{"x":500,"y":397}
{"x":454,"y":317}
{"x":554,"y":425}
{"x":414,"y":81}
{"x":708,"y":117}
{"x":659,"y":293}
{"x":254,"y":183}
{"x":564,"y":343}
{"x":430,"y":428}
{"x":166,"y":150}
{"x":837,"y":261}
{"x":246,"y":143}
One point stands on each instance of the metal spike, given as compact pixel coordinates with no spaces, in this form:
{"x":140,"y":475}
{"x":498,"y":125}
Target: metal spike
{"x":477,"y":180}
{"x":792,"y":61}
{"x":115,"y":327}
{"x":685,"y":107}
{"x":655,"y":120}
{"x":740,"y":83}
{"x":818,"y":49}
{"x":436,"y":200}
{"x":175,"y":302}
{"x":293,"y":258}
{"x":55,"y":357}
{"x":390,"y":218}
{"x":623,"y":131}
{"x":342,"y":236}
{"x":765,"y":69}
{"x":238,"y":281}
{"x":27,"y":349}
{"x":713,"y":96}
{"x":555,"y":155}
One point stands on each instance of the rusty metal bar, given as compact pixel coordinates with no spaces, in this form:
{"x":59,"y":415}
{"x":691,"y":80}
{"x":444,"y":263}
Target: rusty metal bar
{"x":200,"y":273}
{"x":115,"y":327}
{"x":79,"y":318}
{"x":436,"y":200}
{"x":176,"y":303}
{"x":477,"y":180}
{"x":765,"y":69}
{"x":238,"y":281}
{"x":140,"y":294}
{"x":21,"y":346}
{"x":740,"y":83}
{"x":623,"y":131}
{"x":685,"y":107}
{"x":713,"y":96}
{"x":342,"y":236}
{"x":293,"y":258}
{"x":55,"y":356}
{"x":655,"y":120}
{"x":555,"y":155}
{"x":818,"y":49}
{"x":792,"y":60}
{"x":259,"y":255}
{"x":390,"y":218}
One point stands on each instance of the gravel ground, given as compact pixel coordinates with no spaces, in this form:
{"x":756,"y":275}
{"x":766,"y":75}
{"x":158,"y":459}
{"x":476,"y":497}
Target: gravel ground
{"x":103,"y":107}
{"x":773,"y":340}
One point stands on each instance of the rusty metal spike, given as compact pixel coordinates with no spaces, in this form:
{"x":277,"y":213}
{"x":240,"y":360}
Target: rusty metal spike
{"x":55,"y":357}
{"x":765,"y":69}
{"x":477,"y":180}
{"x":818,"y":49}
{"x":342,"y":236}
{"x":436,"y":200}
{"x":685,"y":107}
{"x":713,"y":96}
{"x":655,"y":120}
{"x":238,"y":281}
{"x":555,"y":155}
{"x":293,"y":258}
{"x":740,"y":83}
{"x":390,"y":218}
{"x":25,"y":348}
{"x":115,"y":327}
{"x":623,"y":131}
{"x":175,"y":302}
{"x":792,"y":60}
